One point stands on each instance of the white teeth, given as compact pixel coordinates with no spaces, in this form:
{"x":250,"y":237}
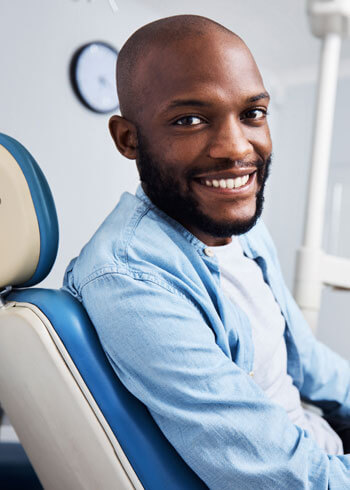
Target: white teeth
{"x":228,"y":183}
{"x":238,"y":182}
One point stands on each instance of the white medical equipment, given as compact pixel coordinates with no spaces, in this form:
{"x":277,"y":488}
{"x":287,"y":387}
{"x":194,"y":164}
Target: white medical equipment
{"x":329,"y":20}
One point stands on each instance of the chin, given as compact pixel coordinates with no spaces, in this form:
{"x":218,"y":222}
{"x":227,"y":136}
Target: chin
{"x":236,"y":223}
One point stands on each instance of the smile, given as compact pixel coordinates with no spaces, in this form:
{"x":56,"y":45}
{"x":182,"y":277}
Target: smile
{"x":226,"y":183}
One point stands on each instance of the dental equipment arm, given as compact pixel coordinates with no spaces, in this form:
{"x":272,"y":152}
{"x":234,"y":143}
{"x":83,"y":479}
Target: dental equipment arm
{"x":329,"y":20}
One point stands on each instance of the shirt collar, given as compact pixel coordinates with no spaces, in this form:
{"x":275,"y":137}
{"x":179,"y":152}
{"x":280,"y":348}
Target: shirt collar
{"x":200,"y":246}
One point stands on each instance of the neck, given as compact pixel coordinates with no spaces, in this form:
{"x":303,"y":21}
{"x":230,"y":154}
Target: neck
{"x":211,"y":241}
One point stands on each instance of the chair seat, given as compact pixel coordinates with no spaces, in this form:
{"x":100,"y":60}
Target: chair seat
{"x":154,"y":460}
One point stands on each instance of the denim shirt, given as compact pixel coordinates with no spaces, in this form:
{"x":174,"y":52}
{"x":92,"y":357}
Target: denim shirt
{"x":152,"y":291}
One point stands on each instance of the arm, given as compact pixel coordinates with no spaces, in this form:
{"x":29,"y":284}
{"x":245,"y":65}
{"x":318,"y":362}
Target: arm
{"x":215,"y":416}
{"x":325,"y":376}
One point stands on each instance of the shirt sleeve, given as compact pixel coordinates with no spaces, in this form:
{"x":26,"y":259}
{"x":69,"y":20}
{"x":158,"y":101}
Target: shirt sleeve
{"x":210,"y":410}
{"x":325,"y":374}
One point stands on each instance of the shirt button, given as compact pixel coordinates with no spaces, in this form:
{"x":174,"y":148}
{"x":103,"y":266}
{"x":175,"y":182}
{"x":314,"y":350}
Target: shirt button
{"x":208,"y":252}
{"x":251,"y":374}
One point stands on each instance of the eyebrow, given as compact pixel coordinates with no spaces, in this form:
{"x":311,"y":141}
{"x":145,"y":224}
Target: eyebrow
{"x":255,"y":98}
{"x":201,"y":103}
{"x":187,"y":102}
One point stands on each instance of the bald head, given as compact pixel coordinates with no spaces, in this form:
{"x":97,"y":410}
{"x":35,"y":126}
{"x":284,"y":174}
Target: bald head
{"x":158,"y":37}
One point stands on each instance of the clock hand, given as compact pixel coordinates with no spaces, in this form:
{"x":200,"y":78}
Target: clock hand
{"x":105,"y":82}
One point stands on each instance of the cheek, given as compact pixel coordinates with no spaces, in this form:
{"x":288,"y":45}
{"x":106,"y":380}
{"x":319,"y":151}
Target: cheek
{"x":182,"y":148}
{"x":260,"y":139}
{"x":264,"y":142}
{"x":176,"y":157}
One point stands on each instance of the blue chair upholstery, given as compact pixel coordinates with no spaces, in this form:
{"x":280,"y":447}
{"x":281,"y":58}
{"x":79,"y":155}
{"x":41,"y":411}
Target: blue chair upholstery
{"x":44,"y":208}
{"x":155,"y":462}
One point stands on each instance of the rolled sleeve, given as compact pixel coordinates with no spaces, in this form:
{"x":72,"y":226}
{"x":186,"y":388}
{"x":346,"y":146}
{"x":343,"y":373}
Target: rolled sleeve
{"x":325,"y":374}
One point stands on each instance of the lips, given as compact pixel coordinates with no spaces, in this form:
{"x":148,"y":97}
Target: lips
{"x":228,"y":174}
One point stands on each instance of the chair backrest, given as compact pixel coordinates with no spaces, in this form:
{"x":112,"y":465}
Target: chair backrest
{"x":29,"y":226}
{"x":78,"y":424}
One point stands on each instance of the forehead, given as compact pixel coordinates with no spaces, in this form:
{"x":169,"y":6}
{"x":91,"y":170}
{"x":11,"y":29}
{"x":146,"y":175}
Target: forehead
{"x":220,"y":69}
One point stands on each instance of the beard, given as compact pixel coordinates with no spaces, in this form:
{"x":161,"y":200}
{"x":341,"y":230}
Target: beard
{"x":165,"y":192}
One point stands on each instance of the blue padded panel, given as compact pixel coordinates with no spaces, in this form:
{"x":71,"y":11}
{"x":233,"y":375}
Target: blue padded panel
{"x":43,"y":204}
{"x":155,"y":461}
{"x":16,"y":472}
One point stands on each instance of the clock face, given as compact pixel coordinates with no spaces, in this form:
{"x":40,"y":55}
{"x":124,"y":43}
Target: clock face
{"x":93,"y":76}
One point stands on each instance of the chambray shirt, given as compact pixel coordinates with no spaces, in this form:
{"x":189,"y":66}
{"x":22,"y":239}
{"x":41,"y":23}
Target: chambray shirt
{"x":152,"y":291}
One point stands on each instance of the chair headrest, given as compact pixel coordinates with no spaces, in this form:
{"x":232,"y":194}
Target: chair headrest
{"x":28,"y":219}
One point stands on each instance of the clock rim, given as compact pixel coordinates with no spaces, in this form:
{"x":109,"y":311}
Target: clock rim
{"x":73,"y":75}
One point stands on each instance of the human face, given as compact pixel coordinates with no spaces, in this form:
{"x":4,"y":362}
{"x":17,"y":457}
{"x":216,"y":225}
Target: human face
{"x":203,"y":128}
{"x":166,"y":193}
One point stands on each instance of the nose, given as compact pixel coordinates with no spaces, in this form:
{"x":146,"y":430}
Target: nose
{"x":230,"y":141}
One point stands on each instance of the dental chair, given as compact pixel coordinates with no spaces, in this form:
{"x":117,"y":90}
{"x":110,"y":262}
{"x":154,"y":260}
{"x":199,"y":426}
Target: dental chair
{"x":79,"y":426}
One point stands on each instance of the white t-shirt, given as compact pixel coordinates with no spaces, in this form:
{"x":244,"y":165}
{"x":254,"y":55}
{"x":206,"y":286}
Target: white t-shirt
{"x":243,"y":283}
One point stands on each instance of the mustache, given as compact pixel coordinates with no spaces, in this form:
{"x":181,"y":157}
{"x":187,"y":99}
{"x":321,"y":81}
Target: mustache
{"x":223,"y":165}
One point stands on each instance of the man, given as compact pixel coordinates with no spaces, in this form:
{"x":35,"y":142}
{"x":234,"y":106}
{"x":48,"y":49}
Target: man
{"x":182,"y":281}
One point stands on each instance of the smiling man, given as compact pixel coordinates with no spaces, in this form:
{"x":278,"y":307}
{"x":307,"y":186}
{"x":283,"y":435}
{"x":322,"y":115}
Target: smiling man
{"x":192,"y":125}
{"x":182,"y":281}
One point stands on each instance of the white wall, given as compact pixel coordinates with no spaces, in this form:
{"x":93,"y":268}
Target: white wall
{"x":72,"y":145}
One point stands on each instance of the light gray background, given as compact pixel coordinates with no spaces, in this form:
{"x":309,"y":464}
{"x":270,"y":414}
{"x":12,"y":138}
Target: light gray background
{"x":85,"y":172}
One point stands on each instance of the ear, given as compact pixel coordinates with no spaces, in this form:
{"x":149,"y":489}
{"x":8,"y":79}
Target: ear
{"x":124,"y":135}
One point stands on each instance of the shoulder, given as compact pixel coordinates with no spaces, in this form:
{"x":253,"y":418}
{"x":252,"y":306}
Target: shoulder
{"x":137,"y":240}
{"x":105,"y":251}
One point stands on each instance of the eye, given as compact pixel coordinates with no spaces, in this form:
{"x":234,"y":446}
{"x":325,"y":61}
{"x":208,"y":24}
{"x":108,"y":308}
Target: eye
{"x":188,"y":121}
{"x":255,"y":114}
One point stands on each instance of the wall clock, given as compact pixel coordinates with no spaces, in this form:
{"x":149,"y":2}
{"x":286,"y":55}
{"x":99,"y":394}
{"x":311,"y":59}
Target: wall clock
{"x":92,"y":73}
